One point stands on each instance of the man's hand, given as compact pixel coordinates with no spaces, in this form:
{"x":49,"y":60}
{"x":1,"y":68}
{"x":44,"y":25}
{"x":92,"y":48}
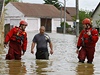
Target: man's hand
{"x":77,"y":51}
{"x":32,"y":51}
{"x":51,"y":52}
{"x":5,"y":45}
{"x":23,"y":52}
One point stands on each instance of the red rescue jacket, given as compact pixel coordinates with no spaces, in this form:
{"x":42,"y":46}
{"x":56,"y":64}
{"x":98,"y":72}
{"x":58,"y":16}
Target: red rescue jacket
{"x":17,"y":35}
{"x":86,"y":40}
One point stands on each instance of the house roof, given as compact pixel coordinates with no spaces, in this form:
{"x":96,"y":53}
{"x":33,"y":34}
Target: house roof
{"x":95,"y":9}
{"x":68,"y":17}
{"x":38,"y":10}
{"x":71,"y":11}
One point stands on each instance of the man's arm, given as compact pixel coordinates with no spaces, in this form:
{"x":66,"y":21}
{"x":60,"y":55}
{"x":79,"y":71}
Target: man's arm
{"x":32,"y":47}
{"x":80,"y":41}
{"x":51,"y":47}
{"x":8,"y":36}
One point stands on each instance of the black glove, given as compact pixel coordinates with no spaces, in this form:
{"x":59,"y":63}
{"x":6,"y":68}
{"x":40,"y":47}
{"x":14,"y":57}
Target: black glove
{"x":24,"y":52}
{"x":5,"y":44}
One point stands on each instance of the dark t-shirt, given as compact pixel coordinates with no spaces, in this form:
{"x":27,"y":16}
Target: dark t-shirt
{"x":41,"y":40}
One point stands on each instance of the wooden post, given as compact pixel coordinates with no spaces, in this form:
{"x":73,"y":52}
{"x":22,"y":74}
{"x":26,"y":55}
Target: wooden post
{"x":1,"y":26}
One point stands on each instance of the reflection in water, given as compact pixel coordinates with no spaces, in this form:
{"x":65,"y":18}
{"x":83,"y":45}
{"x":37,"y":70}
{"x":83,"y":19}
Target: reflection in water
{"x":16,"y":67}
{"x":41,"y":66}
{"x":3,"y":69}
{"x":85,"y":69}
{"x":44,"y":67}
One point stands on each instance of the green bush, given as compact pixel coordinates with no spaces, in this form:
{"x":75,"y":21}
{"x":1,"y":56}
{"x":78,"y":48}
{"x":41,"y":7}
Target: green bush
{"x":66,"y":24}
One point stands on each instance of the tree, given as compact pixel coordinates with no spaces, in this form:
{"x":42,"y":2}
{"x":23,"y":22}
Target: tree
{"x":82,"y":14}
{"x":53,"y":2}
{"x":7,"y":1}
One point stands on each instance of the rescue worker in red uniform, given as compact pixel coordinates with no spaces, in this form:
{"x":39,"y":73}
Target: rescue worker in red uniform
{"x":17,"y":39}
{"x":87,"y":42}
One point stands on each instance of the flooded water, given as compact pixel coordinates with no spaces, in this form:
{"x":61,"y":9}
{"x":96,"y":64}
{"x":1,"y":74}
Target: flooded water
{"x":63,"y":62}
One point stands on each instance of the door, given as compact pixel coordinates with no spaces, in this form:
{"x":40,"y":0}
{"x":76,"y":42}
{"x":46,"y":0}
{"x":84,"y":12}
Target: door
{"x":47,"y":23}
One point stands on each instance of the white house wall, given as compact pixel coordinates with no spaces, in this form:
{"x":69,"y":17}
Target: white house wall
{"x":12,"y":15}
{"x":55,"y":24}
{"x":11,"y":11}
{"x":70,"y":23}
{"x":96,"y":17}
{"x":14,"y":22}
{"x":33,"y":24}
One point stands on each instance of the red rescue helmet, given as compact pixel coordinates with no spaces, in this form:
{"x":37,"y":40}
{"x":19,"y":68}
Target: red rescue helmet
{"x":86,"y":21}
{"x":22,"y":22}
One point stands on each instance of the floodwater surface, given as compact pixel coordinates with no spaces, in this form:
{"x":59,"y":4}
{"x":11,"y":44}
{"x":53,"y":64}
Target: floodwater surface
{"x":63,"y":62}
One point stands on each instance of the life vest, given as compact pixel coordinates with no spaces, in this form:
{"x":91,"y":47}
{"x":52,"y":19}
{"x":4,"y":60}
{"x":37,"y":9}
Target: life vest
{"x":18,"y":35}
{"x":86,"y":38}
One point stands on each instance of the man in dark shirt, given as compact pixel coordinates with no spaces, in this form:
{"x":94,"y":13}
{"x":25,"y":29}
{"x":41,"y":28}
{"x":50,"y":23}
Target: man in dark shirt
{"x":41,"y":39}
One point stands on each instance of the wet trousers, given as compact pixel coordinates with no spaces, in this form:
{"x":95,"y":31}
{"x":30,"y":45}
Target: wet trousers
{"x":42,"y":53}
{"x":86,"y":52}
{"x":14,"y":52}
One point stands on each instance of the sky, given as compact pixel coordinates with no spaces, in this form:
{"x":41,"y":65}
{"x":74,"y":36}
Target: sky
{"x":83,"y":4}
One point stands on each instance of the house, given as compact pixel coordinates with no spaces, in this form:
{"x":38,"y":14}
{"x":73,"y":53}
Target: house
{"x":36,"y":15}
{"x":96,"y":16}
{"x":72,"y":12}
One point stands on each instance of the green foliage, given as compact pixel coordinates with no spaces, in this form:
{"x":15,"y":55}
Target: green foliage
{"x":82,"y":14}
{"x":7,"y":1}
{"x":62,"y":25}
{"x":53,"y":2}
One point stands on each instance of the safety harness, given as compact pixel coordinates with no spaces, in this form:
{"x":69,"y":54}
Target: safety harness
{"x":18,"y":36}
